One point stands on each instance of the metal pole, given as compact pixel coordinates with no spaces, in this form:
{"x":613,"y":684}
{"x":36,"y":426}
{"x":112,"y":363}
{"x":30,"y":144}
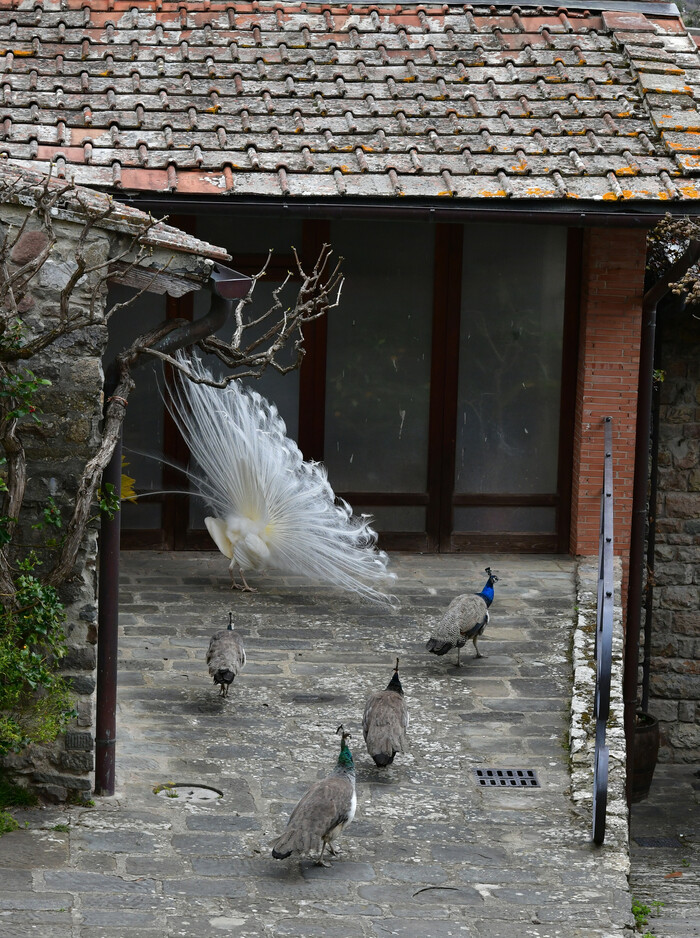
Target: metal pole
{"x":107,"y":634}
{"x":226,"y":285}
{"x":651,"y":541}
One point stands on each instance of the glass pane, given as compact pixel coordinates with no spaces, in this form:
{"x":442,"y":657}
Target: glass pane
{"x":249,"y":235}
{"x":510,"y":358}
{"x":394,"y":517}
{"x":378,"y":364}
{"x":143,"y":425}
{"x":504,"y":519}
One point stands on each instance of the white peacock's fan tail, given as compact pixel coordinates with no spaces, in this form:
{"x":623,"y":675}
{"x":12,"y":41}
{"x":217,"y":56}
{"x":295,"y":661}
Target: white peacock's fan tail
{"x":273,"y":509}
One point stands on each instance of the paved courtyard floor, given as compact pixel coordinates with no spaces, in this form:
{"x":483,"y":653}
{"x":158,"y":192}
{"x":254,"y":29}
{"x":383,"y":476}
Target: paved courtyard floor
{"x":665,"y":850}
{"x":430,"y":854}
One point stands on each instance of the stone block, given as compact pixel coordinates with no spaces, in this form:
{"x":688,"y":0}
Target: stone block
{"x":88,"y":613}
{"x":62,"y":781}
{"x":684,"y":623}
{"x":77,"y":761}
{"x":84,"y":709}
{"x":28,"y":247}
{"x":681,"y":597}
{"x":683,"y":505}
{"x":684,"y":736}
{"x":666,"y":711}
{"x":98,"y":882}
{"x":80,"y":741}
{"x":80,"y":657}
{"x":55,"y":794}
{"x":80,"y":683}
{"x":675,"y":686}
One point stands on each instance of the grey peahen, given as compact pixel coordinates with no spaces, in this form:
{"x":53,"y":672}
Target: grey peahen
{"x":385,"y":721}
{"x":322,"y":813}
{"x":225,"y":656}
{"x":466,"y":617}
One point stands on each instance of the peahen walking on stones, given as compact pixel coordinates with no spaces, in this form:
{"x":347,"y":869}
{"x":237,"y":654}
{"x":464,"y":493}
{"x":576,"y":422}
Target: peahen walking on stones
{"x":385,"y":721}
{"x":323,"y":812}
{"x":225,"y":657}
{"x":466,"y":617}
{"x":269,"y":508}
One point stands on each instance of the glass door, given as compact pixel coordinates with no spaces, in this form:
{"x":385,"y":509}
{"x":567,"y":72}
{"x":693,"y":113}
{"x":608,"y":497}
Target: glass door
{"x":378,"y":375}
{"x":509,"y":386}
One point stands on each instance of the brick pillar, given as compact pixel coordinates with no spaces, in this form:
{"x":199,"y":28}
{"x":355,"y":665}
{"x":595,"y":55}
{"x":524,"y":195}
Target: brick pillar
{"x":608,"y":370}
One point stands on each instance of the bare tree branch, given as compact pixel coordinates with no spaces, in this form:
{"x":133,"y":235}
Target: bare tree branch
{"x":257,"y":342}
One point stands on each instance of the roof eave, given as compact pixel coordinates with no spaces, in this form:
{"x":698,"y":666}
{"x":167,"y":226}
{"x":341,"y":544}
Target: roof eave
{"x":569,"y":212}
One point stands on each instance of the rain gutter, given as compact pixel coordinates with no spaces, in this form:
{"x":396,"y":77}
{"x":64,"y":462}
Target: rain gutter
{"x":573,"y":212}
{"x":226,"y":286}
{"x":652,"y":298}
{"x":653,"y":7}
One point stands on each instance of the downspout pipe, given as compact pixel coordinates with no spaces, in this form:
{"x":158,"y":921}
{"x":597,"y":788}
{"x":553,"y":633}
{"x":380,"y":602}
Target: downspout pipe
{"x":652,"y":298}
{"x":226,"y":285}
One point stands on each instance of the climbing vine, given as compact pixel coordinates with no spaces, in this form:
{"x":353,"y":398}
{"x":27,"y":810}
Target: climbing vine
{"x":35,"y":700}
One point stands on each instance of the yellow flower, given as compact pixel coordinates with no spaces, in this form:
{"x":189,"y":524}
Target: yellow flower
{"x":127,"y":493}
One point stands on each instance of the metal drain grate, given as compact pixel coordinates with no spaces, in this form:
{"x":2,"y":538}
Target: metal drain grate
{"x":658,"y":841}
{"x":507,"y":778}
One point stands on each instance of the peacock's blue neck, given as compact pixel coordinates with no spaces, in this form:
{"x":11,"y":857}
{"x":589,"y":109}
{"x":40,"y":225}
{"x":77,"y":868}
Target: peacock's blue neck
{"x":487,"y":592}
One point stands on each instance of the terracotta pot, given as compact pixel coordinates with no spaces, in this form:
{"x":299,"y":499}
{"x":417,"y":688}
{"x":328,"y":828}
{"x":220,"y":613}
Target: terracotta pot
{"x":646,"y":751}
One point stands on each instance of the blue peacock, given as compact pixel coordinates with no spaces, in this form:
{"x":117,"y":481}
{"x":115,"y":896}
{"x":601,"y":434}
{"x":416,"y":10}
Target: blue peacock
{"x":466,"y":617}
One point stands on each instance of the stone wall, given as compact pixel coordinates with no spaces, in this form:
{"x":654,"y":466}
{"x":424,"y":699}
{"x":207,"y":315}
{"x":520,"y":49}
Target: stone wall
{"x":57,"y":448}
{"x":675,"y":658}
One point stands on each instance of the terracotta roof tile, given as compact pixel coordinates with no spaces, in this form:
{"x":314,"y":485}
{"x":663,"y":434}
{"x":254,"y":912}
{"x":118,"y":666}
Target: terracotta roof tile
{"x":355,"y":100}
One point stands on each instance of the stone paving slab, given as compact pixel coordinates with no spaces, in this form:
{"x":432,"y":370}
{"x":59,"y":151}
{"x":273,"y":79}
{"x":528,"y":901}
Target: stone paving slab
{"x":430,"y":853}
{"x":665,"y":874}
